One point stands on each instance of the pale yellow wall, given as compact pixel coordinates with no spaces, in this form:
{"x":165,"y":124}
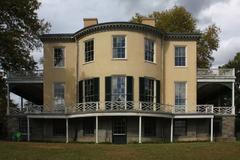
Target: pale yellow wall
{"x":66,"y":74}
{"x":174,"y":74}
{"x":135,"y":65}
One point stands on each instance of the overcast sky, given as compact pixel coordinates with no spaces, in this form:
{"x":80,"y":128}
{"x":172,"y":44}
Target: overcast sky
{"x":66,"y":16}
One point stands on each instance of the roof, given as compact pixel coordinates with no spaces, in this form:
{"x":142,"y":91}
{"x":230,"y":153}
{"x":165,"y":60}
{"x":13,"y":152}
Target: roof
{"x":113,"y":26}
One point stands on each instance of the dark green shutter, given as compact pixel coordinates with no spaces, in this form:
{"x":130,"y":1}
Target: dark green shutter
{"x":141,"y":89}
{"x":96,"y":89}
{"x":108,"y":90}
{"x":158,"y":91}
{"x":129,"y":88}
{"x":80,"y":85}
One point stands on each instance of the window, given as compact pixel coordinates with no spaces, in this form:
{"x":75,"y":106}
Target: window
{"x":149,"y":90}
{"x":89,"y":90}
{"x":22,"y":125}
{"x":88,"y":126}
{"x":180,"y":128}
{"x":118,"y":88}
{"x":58,"y":57}
{"x":59,"y":94}
{"x":59,"y":127}
{"x":149,"y":50}
{"x":180,"y":56}
{"x":149,"y":127}
{"x":180,"y":93}
{"x":119,"y":47}
{"x":89,"y":51}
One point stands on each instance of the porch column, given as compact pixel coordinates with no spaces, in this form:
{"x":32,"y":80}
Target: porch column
{"x":96,"y":129}
{"x":233,"y":98}
{"x":21,"y":103}
{"x":140,"y":130}
{"x":211,"y":132}
{"x":8,"y":99}
{"x":66,"y":130}
{"x":28,"y":129}
{"x":171,"y":132}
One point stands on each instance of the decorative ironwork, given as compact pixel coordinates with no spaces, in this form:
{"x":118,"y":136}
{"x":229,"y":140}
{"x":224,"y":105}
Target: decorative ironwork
{"x":179,"y":109}
{"x":25,"y":75}
{"x":119,"y":105}
{"x":87,"y":107}
{"x":215,"y":72}
{"x":204,"y":108}
{"x":223,"y":110}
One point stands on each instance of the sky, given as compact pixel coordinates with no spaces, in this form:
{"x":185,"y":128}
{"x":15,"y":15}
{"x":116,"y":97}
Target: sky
{"x":66,"y":16}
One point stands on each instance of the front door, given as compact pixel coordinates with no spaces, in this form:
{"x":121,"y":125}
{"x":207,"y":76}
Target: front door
{"x":119,"y":131}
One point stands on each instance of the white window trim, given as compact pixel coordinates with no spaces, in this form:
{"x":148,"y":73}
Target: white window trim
{"x":125,"y":87}
{"x":84,"y":55}
{"x":186,"y":56}
{"x":64,"y":55}
{"x":154,"y":51}
{"x":186,"y":94}
{"x":126,"y":42}
{"x":53,"y":93}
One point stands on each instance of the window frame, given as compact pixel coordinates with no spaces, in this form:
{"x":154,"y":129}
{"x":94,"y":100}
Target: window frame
{"x":86,"y":41}
{"x":125,"y":46}
{"x":53,"y":89}
{"x":125,"y":87}
{"x":154,"y":50}
{"x":186,"y":88}
{"x":64,"y":57}
{"x":186,"y":62}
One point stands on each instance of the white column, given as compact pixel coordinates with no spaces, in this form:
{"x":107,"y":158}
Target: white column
{"x":171,"y":132}
{"x":21,"y":103}
{"x":211,"y":134}
{"x":8,"y":99}
{"x":67,"y":130}
{"x":233,"y":98}
{"x":28,"y":129}
{"x":96,"y":129}
{"x":140,"y":130}
{"x":155,"y":95}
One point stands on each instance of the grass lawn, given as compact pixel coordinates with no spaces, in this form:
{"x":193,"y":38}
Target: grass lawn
{"x":61,"y":151}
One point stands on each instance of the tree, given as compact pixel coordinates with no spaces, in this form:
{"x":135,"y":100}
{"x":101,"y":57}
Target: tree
{"x":178,"y":19}
{"x":20,"y":29}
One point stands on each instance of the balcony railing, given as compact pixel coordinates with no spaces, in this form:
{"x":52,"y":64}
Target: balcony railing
{"x":123,"y":106}
{"x":25,"y":75}
{"x":215,"y":73}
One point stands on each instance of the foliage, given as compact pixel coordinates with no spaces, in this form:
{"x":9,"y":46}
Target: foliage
{"x":178,"y":19}
{"x":235,"y":63}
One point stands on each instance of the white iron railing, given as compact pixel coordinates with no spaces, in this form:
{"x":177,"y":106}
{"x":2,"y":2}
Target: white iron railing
{"x":215,"y":72}
{"x":122,"y":106}
{"x":204,"y":108}
{"x":25,"y":75}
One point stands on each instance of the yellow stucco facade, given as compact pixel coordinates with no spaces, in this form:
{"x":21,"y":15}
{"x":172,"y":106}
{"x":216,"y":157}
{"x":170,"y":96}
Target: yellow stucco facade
{"x":134,"y":65}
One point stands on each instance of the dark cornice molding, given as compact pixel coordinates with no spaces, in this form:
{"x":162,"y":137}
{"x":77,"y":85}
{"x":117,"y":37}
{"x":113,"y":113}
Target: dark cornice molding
{"x":118,"y":26}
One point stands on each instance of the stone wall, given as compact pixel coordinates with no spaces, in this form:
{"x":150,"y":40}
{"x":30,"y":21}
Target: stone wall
{"x":228,"y":128}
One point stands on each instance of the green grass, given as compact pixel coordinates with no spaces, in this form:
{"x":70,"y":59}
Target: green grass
{"x":74,"y":151}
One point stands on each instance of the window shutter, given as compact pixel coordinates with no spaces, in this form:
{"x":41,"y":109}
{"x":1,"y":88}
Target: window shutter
{"x":141,"y":89}
{"x":158,"y":91}
{"x":129,"y":88}
{"x":108,"y":88}
{"x":80,"y":85}
{"x":96,"y":89}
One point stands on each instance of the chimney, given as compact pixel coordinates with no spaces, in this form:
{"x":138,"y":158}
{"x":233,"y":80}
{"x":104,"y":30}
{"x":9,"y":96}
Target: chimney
{"x":148,"y":21}
{"x":89,"y":21}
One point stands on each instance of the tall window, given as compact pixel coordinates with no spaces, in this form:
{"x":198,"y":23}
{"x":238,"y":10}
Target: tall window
{"x":149,"y":50}
{"x":149,"y":90}
{"x":88,"y":126}
{"x":59,"y":94}
{"x":180,"y":93}
{"x":119,"y":47}
{"x":89,"y":51}
{"x":118,"y":88}
{"x":58,"y":57}
{"x":180,"y":128}
{"x":149,"y":127}
{"x":180,"y":56}
{"x":89,"y":90}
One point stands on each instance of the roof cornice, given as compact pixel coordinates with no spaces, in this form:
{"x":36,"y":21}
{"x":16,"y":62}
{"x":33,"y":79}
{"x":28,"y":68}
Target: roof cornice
{"x":114,"y":26}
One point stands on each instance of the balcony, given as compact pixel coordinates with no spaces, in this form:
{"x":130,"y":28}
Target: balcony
{"x":25,"y":76}
{"x":215,"y":74}
{"x":122,"y":106}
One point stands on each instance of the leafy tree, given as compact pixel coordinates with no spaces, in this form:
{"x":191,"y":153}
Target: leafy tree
{"x":178,"y":19}
{"x":20,"y":28}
